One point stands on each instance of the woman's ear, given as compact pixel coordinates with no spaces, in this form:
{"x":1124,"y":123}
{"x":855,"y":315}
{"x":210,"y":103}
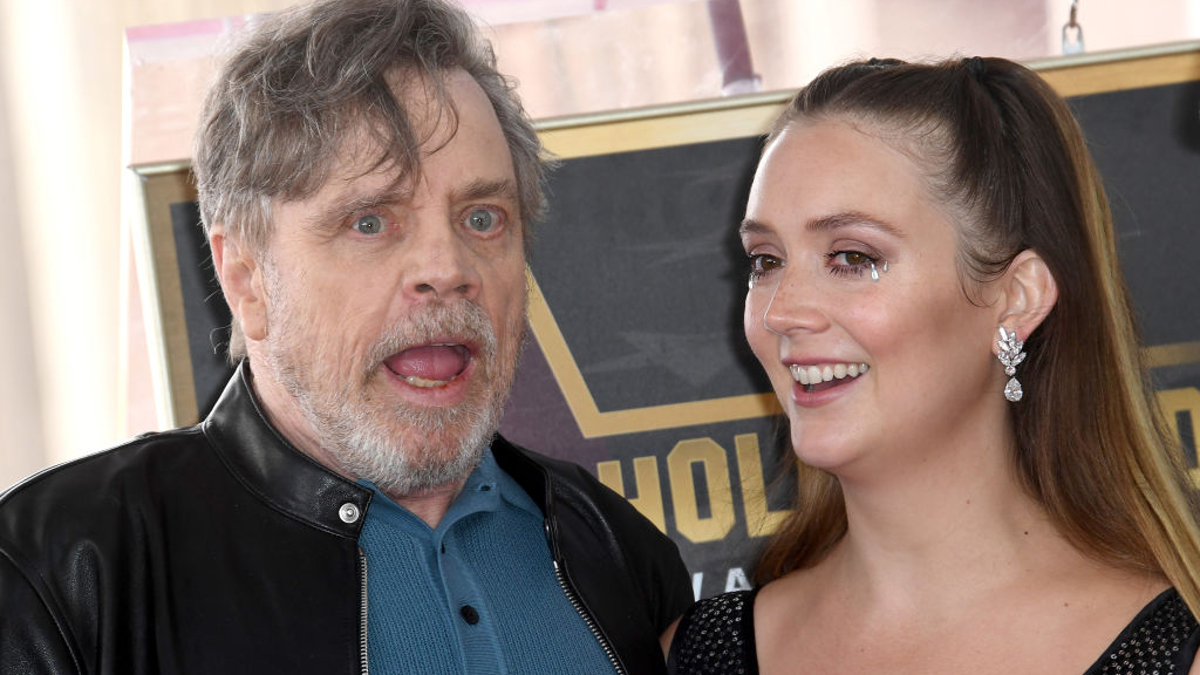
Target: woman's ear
{"x":241,"y":281}
{"x":1029,"y":292}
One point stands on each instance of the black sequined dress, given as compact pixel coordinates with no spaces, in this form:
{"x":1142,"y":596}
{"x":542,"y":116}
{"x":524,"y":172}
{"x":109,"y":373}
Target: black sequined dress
{"x":716,"y":637}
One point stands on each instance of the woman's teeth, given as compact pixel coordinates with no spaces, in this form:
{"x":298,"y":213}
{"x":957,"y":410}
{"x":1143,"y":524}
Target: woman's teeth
{"x":827,"y":372}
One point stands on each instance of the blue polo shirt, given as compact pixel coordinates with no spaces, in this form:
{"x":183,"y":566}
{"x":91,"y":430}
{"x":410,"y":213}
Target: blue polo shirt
{"x":477,"y":594}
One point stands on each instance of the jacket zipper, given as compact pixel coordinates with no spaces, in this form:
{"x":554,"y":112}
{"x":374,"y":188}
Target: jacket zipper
{"x":580,"y":608}
{"x":364,"y":666}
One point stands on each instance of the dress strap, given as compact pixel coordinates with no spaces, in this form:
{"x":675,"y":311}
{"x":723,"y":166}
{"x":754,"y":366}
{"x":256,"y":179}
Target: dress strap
{"x":1162,"y":638}
{"x":716,"y":637}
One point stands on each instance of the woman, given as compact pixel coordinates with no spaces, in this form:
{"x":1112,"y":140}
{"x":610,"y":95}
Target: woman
{"x":986,"y":482}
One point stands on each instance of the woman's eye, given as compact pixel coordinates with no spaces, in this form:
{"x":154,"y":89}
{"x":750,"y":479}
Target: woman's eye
{"x":850,"y":262}
{"x":761,"y":264}
{"x":852,"y":258}
{"x":369,"y":225}
{"x":483,"y":220}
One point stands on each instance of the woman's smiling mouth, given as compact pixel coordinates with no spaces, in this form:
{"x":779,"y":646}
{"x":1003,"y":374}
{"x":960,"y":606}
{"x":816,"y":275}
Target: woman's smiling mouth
{"x":812,"y":377}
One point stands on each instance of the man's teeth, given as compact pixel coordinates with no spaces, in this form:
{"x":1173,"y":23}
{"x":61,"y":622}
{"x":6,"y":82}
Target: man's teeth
{"x":424,"y":383}
{"x":827,"y":372}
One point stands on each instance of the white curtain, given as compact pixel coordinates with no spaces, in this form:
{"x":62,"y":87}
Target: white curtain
{"x":60,"y":221}
{"x":21,"y":448}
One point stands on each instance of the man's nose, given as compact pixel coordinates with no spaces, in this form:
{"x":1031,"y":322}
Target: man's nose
{"x":440,"y":265}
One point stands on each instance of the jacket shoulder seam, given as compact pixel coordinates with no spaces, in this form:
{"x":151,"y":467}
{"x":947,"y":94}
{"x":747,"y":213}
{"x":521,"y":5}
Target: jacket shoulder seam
{"x":55,"y":469}
{"x":51,"y":608}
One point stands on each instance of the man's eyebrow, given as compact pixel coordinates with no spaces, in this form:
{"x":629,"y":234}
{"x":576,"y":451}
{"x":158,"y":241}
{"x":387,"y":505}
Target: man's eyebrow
{"x":347,"y":204}
{"x":487,"y":189}
{"x":827,"y":223}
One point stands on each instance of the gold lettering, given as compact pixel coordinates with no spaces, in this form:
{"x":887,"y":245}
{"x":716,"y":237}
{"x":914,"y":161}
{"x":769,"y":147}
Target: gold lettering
{"x":711,"y":457}
{"x":1182,"y":401}
{"x":649,"y":500}
{"x":760,"y":520}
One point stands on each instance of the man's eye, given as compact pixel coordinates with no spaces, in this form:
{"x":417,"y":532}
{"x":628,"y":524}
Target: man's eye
{"x":369,"y":225}
{"x":483,"y":220}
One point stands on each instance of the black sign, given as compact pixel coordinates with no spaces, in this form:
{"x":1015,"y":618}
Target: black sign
{"x":637,"y":368}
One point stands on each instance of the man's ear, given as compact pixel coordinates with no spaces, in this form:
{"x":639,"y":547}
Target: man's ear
{"x":242,"y":282}
{"x":1029,"y":293}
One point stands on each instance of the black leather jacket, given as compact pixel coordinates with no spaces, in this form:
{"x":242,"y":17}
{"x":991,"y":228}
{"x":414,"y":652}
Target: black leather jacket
{"x":221,"y":549}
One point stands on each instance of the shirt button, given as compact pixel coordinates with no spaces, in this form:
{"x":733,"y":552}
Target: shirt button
{"x":469,"y":614}
{"x":348,"y":513}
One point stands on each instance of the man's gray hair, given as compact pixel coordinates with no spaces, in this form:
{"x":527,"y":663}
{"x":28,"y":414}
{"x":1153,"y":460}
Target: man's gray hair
{"x":302,"y":81}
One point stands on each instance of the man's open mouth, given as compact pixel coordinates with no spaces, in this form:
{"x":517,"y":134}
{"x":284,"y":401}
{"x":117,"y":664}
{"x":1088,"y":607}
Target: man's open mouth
{"x":432,"y":365}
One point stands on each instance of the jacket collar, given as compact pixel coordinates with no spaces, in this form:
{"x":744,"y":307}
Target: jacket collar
{"x":279,"y":474}
{"x":521,"y":467}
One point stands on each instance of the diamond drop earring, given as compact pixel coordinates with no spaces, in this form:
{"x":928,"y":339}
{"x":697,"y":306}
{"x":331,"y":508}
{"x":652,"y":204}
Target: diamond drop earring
{"x":1010,"y":354}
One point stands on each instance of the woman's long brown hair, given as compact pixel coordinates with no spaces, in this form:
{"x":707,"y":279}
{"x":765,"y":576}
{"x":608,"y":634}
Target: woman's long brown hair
{"x":1002,"y":149}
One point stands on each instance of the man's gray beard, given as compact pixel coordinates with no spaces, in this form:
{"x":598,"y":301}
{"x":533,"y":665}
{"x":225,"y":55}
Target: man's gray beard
{"x":402,"y":449}
{"x":367,"y":447}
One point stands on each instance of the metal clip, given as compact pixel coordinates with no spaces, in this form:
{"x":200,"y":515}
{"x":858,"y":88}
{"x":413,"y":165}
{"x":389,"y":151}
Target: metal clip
{"x":1072,"y":32}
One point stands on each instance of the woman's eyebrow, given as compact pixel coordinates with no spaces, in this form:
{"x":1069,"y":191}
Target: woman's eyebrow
{"x":827,"y":223}
{"x":838,"y":221}
{"x":752,"y":226}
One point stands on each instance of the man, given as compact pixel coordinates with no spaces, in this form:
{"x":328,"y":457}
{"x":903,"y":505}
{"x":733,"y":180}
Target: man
{"x":367,"y":181}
